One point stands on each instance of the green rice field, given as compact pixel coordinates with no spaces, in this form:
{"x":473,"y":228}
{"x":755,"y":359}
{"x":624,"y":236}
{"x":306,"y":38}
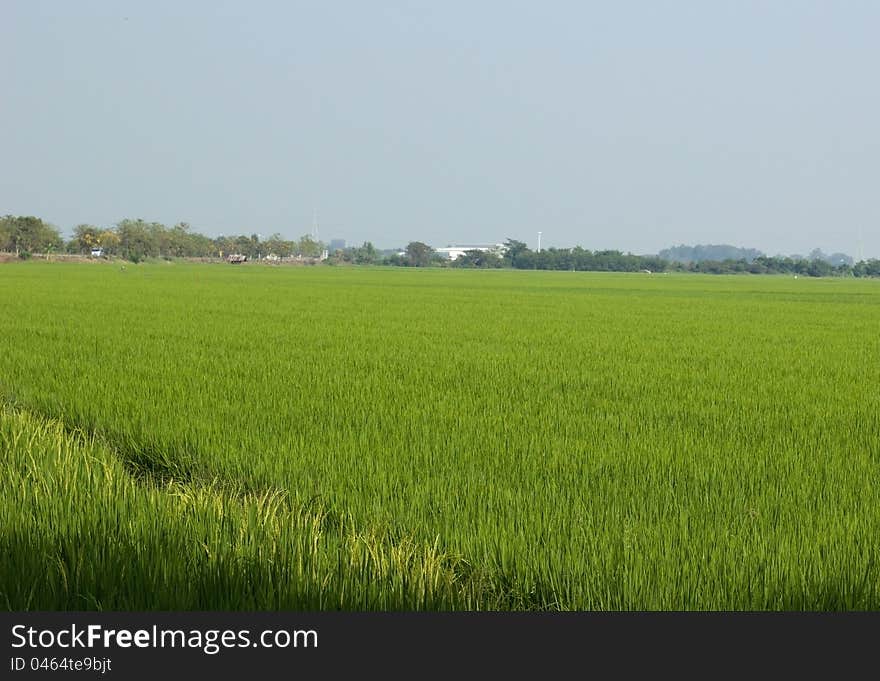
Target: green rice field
{"x":216,"y":437}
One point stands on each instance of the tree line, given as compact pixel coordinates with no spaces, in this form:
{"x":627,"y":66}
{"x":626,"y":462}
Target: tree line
{"x":517,"y":255}
{"x":137,"y":240}
{"x":784,"y":265}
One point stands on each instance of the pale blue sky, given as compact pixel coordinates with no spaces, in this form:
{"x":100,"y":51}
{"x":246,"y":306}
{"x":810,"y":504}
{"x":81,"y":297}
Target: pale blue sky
{"x":631,"y":125}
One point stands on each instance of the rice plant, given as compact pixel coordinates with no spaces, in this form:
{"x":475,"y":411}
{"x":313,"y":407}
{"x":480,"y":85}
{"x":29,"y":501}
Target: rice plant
{"x":200,"y":436}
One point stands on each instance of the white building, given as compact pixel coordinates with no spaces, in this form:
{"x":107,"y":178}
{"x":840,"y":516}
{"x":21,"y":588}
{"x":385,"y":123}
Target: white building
{"x":453,"y":252}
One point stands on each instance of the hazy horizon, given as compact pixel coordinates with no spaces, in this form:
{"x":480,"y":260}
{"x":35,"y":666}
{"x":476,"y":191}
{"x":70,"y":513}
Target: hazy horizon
{"x":618,"y":125}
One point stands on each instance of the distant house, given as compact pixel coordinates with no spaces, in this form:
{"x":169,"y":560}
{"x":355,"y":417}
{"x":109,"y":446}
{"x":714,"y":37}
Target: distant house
{"x":97,"y":252}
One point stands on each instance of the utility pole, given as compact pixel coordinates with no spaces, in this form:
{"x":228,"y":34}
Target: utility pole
{"x":539,"y":242}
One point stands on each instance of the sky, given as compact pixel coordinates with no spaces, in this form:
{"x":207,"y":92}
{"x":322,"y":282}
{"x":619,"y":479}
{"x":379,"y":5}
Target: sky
{"x":627,"y":125}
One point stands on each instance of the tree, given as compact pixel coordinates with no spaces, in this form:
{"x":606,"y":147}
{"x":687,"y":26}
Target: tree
{"x":308,"y":247}
{"x":256,"y":249}
{"x":277,"y":245}
{"x":513,"y":249}
{"x":366,"y":254}
{"x":85,"y":238}
{"x":245,"y":245}
{"x":180,"y":241}
{"x":478,"y":258}
{"x":108,"y":240}
{"x":6,"y":233}
{"x":396,"y":259}
{"x":161,"y":239}
{"x":819,"y":268}
{"x":136,"y":240}
{"x":418,"y":254}
{"x":867,"y":268}
{"x":28,"y":234}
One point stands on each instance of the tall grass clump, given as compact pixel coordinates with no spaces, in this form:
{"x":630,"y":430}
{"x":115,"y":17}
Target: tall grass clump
{"x":81,"y":533}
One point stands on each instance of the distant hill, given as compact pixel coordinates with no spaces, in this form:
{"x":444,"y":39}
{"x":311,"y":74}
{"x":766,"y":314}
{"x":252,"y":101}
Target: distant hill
{"x":701,"y":252}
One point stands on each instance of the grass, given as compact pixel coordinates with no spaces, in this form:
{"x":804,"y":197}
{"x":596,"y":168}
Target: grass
{"x":262,"y":438}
